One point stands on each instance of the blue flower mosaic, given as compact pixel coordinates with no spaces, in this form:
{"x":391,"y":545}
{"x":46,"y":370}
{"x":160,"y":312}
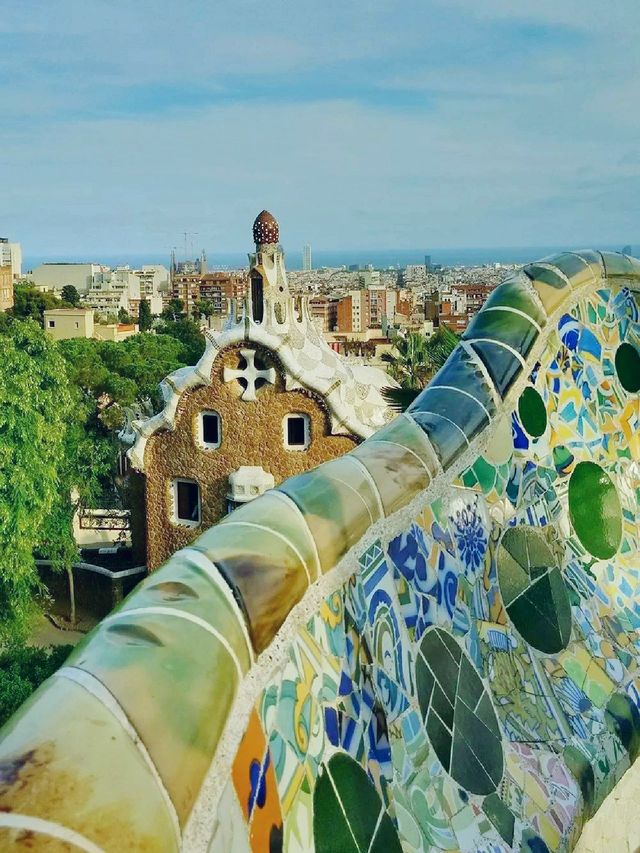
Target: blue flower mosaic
{"x":471,"y":537}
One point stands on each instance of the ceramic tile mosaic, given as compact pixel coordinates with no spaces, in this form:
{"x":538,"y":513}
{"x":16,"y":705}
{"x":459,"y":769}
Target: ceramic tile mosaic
{"x":469,"y":681}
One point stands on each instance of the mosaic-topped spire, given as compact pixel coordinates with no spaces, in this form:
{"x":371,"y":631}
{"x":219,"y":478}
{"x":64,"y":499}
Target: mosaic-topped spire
{"x":266,"y":230}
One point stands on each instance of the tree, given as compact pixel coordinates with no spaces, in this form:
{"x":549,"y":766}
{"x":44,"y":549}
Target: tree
{"x":174,"y":310}
{"x":35,"y":409}
{"x":70,"y":294}
{"x":145,"y":317}
{"x":188,"y":333}
{"x":204,"y":308}
{"x":31,"y":303}
{"x":416,"y":359}
{"x":123,"y":316}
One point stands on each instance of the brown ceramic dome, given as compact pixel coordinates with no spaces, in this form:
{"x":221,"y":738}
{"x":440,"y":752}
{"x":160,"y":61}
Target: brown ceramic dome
{"x":265,"y":229}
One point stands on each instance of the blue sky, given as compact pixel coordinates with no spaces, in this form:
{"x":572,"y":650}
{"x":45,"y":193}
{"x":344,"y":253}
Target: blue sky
{"x":394,"y":123}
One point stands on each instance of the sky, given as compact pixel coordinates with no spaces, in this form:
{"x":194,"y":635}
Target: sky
{"x":386,"y":124}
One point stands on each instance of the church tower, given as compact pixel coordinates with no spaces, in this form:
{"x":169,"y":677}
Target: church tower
{"x":267,"y":275}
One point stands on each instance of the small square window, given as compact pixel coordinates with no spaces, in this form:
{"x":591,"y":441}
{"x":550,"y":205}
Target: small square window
{"x":210,"y":429}
{"x":296,"y":432}
{"x":186,"y":502}
{"x":77,"y":325}
{"x":51,"y":324}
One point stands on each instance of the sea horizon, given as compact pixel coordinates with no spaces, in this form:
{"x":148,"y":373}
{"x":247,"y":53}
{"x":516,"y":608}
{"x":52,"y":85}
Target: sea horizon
{"x":378,"y":258}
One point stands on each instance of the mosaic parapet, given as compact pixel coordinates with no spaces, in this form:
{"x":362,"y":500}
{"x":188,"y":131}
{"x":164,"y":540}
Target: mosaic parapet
{"x":429,"y":643}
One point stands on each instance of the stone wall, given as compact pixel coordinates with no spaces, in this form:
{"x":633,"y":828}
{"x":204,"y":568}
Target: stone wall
{"x":430,"y":643}
{"x":251,"y":435}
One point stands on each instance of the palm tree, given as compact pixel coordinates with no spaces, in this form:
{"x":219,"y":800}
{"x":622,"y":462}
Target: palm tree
{"x":415,"y":361}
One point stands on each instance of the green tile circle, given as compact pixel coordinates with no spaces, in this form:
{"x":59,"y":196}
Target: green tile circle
{"x":348,"y":814}
{"x":594,"y":509}
{"x":533,"y":590}
{"x":532,"y":411}
{"x":627,"y":362}
{"x":458,"y":714}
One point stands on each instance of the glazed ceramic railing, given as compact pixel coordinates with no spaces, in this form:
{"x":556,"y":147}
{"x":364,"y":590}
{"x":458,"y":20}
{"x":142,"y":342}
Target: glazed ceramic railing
{"x":433,"y":638}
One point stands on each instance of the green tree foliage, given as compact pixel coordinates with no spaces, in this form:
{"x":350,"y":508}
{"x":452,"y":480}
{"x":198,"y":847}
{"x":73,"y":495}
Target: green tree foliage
{"x":30,"y":303}
{"x":204,"y":308}
{"x":188,"y":333}
{"x":174,"y":310}
{"x":124,"y":316}
{"x":415,"y":360}
{"x":35,"y":408}
{"x":70,"y":294}
{"x":60,"y":403}
{"x":127,"y":370}
{"x":145,"y":317}
{"x":22,"y":670}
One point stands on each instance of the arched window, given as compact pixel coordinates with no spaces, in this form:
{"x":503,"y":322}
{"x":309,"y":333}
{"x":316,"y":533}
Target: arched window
{"x":257,"y":305}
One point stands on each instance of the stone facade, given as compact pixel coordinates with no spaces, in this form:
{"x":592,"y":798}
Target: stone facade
{"x":251,"y":434}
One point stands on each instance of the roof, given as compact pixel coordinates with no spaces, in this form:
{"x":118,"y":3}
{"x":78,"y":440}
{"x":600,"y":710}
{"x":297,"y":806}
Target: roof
{"x":353,"y":398}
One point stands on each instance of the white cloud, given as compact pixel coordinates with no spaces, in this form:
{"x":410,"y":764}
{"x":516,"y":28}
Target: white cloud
{"x":398,"y":124}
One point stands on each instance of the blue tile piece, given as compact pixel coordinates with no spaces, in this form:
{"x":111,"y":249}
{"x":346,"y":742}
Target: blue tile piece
{"x":502,"y":366}
{"x":510,"y":328}
{"x":447,"y":440}
{"x":459,"y":408}
{"x":460,"y":371}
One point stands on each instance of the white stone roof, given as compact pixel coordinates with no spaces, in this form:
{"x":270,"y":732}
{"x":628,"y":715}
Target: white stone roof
{"x":352,"y":397}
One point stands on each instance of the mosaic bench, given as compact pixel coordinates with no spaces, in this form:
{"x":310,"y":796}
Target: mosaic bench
{"x":430,"y":643}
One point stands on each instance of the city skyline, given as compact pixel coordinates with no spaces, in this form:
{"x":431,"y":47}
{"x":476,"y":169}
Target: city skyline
{"x":458,"y":126}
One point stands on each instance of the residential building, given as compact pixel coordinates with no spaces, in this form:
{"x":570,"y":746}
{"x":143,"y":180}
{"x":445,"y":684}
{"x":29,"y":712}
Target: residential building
{"x":366,"y":309}
{"x":268,"y":399}
{"x":324,"y":312}
{"x":124,"y":288}
{"x":64,"y":323}
{"x":220,"y":288}
{"x":11,"y":256}
{"x":6,"y":287}
{"x":55,"y":276}
{"x":369,"y":278}
{"x":306,"y":258}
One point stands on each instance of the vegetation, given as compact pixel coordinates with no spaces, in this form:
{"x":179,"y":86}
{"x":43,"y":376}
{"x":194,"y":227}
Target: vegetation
{"x":174,"y":310}
{"x":109,"y":372}
{"x":145,"y":317}
{"x":31,"y":303}
{"x":124,"y":316}
{"x":60,"y":406}
{"x":188,"y":333}
{"x":415,"y":360}
{"x":35,"y":408}
{"x":204,"y":308}
{"x":22,"y":670}
{"x":70,"y":294}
